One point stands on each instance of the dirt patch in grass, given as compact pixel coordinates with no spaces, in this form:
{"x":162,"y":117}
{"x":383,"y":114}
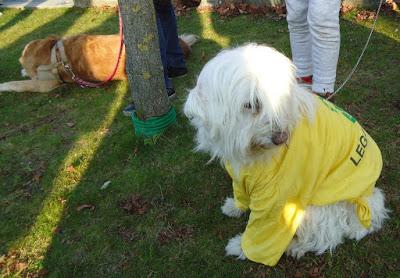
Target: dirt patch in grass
{"x":135,"y":204}
{"x":165,"y":236}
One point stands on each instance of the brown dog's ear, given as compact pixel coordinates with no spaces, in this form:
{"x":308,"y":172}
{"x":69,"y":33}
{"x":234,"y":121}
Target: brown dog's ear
{"x":37,"y":53}
{"x":42,"y":50}
{"x":280,"y":137}
{"x":50,"y":41}
{"x":39,"y":47}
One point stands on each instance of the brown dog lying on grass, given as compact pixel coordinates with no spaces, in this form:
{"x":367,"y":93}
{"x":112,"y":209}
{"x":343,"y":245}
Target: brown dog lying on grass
{"x":91,"y":58}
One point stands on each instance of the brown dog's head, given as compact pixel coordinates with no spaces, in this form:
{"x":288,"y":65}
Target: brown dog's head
{"x":37,"y":53}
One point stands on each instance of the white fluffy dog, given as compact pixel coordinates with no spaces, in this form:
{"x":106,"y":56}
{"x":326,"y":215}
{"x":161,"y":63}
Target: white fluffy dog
{"x":304,"y":167}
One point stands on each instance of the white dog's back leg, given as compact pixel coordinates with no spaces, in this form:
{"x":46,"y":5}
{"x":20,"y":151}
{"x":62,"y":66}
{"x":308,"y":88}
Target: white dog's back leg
{"x":39,"y":86}
{"x":324,"y":227}
{"x":378,"y":215}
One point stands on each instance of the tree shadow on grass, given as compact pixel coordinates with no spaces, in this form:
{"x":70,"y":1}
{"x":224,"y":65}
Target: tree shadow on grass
{"x":19,"y":162}
{"x":152,"y":171}
{"x":22,"y":15}
{"x":45,"y":130}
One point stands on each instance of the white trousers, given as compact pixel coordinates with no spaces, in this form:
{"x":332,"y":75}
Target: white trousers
{"x":315,"y":40}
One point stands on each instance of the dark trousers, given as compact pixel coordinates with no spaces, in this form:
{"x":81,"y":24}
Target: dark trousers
{"x":171,"y":52}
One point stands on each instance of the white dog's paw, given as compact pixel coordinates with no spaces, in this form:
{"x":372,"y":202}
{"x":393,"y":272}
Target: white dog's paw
{"x":234,"y":247}
{"x":296,"y":249}
{"x":24,"y":73}
{"x":358,"y":234}
{"x":230,"y":209}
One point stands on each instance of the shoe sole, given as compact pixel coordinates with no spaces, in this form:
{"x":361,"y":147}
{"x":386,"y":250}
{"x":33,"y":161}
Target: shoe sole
{"x":128,"y":113}
{"x":305,"y":86}
{"x":172,"y":97}
{"x":178,"y":76}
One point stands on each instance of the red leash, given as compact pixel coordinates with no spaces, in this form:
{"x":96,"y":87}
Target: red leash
{"x":87,"y":84}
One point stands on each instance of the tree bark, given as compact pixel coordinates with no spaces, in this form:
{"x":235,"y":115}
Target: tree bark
{"x":143,"y":59}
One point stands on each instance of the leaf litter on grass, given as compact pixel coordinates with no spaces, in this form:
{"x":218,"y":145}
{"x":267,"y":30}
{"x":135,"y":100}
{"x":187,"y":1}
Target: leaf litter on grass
{"x":135,"y":204}
{"x":165,"y":236}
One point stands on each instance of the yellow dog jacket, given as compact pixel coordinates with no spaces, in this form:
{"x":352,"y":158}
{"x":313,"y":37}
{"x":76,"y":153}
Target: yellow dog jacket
{"x":328,"y":160}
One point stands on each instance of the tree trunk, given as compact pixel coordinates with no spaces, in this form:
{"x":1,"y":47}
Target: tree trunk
{"x":143,"y":59}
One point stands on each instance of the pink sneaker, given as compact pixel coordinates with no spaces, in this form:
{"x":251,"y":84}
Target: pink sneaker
{"x":305,"y":81}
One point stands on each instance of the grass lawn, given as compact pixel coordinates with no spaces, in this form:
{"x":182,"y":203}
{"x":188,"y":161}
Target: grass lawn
{"x":58,"y":149}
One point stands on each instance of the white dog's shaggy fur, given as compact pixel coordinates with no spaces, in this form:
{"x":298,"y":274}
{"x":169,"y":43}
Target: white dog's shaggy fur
{"x":246,"y":97}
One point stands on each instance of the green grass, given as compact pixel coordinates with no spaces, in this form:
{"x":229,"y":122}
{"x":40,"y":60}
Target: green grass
{"x":48,"y":169}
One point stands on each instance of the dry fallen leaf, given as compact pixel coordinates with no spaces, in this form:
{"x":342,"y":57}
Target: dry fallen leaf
{"x":21,"y":266}
{"x":105,"y":185}
{"x":57,"y":230}
{"x":104,"y":131}
{"x":346,"y":8}
{"x":71,"y":169}
{"x":203,"y":57}
{"x":365,"y":15}
{"x":167,"y":235}
{"x":298,"y":274}
{"x":85,"y":206}
{"x":43,"y":272}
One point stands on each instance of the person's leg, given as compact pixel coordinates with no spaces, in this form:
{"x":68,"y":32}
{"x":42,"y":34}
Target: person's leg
{"x":300,"y":38}
{"x":175,"y":58}
{"x":323,"y":19}
{"x":163,"y":44}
